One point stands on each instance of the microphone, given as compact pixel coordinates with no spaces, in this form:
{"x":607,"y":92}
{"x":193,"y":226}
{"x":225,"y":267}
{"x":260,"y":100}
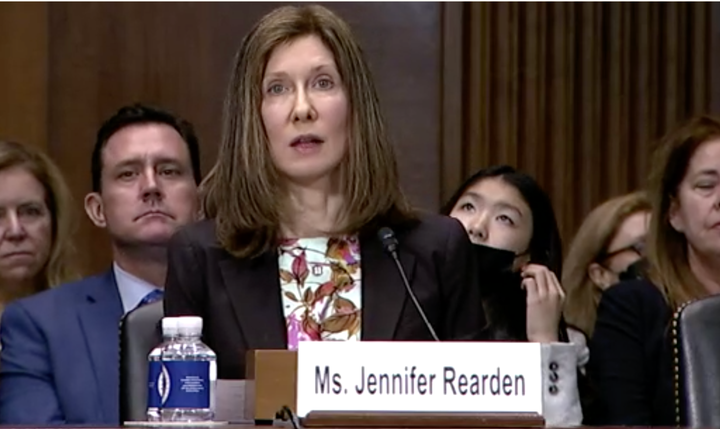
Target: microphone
{"x":390,"y":244}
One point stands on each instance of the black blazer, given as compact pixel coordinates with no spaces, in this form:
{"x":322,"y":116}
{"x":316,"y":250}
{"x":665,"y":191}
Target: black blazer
{"x":240,"y":303}
{"x":631,"y":357}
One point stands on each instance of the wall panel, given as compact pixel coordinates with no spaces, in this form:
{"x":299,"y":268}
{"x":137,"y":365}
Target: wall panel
{"x":23,"y":72}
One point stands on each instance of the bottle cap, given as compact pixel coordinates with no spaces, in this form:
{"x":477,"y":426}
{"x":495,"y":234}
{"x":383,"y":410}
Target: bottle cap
{"x":169,"y":326}
{"x":190,"y":325}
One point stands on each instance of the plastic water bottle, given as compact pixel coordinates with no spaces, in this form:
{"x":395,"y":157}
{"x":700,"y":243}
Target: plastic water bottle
{"x":191,"y":368}
{"x":156,"y":376}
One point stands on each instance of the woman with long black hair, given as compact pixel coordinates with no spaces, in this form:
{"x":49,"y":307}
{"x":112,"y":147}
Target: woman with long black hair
{"x":511,"y":221}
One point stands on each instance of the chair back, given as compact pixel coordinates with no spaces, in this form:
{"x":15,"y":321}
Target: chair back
{"x":696,"y":345}
{"x":140,"y":332}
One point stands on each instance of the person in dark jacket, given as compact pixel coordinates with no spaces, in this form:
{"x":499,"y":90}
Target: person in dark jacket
{"x":518,"y":256}
{"x":631,"y":354}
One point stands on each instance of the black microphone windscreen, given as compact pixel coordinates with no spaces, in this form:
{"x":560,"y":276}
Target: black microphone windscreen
{"x":387,"y":237}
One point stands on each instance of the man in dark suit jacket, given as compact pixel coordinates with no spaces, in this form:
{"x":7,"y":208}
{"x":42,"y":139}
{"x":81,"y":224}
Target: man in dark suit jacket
{"x":59,"y":360}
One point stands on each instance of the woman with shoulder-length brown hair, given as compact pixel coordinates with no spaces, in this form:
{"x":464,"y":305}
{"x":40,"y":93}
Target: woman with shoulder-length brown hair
{"x":609,"y":241}
{"x":305,"y":180}
{"x":36,"y":223}
{"x":630,"y":352}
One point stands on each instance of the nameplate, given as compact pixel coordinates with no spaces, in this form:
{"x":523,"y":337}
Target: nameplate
{"x":482,"y":377}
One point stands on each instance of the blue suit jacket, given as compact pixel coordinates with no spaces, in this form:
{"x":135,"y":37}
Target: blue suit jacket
{"x":59,"y":359}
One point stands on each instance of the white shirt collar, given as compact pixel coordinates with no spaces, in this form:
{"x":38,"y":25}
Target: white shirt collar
{"x":132,"y":289}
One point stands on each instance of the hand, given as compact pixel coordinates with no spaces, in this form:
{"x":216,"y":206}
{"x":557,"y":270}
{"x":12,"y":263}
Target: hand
{"x":545,"y":298}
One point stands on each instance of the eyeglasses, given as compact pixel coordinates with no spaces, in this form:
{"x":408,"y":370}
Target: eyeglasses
{"x":637,"y":247}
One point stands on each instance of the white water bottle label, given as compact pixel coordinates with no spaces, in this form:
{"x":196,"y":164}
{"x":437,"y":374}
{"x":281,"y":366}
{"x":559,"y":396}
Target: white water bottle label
{"x":188,"y":384}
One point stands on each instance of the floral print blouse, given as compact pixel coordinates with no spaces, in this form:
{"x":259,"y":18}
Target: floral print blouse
{"x":321,"y":293}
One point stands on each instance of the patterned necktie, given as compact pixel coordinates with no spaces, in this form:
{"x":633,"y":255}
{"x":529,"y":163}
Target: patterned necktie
{"x":153,"y":296}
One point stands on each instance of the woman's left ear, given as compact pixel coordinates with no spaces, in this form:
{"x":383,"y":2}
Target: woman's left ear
{"x":600,"y":276}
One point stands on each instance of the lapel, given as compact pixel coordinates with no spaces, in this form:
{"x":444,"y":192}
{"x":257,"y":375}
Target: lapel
{"x":99,"y":313}
{"x":253,"y":286}
{"x":383,"y":291}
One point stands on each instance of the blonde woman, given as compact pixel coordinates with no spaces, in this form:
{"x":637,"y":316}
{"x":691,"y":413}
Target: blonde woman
{"x":36,"y":223}
{"x":609,"y":241}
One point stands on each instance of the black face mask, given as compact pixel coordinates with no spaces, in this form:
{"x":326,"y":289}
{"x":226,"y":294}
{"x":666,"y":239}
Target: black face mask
{"x":635,"y":271}
{"x":503,"y":297}
{"x":493,"y":260}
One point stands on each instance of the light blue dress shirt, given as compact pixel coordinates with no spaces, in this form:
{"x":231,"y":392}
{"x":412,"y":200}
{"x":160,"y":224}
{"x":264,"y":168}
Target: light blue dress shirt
{"x":132,"y":289}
